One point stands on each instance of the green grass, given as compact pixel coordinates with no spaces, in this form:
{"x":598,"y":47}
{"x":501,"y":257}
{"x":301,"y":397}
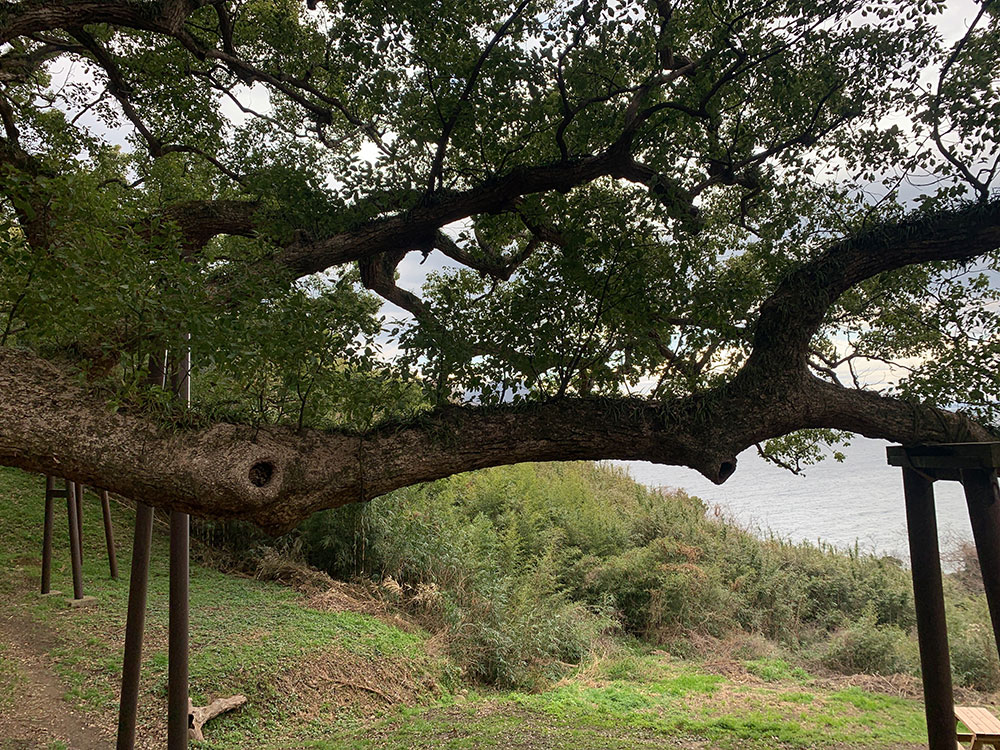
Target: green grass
{"x":253,"y":637}
{"x":775,"y":670}
{"x":711,"y":707}
{"x":245,"y":634}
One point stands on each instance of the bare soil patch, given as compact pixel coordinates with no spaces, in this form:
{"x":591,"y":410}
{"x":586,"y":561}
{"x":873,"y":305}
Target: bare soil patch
{"x":39,"y":715}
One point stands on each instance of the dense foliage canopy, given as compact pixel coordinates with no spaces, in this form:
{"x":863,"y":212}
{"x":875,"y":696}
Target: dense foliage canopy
{"x":658,"y":230}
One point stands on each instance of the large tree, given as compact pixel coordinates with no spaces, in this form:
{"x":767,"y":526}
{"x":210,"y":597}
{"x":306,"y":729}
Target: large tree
{"x":655,"y":230}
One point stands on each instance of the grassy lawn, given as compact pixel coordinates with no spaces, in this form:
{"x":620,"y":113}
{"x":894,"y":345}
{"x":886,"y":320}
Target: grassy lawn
{"x":247,"y":636}
{"x":319,"y":679}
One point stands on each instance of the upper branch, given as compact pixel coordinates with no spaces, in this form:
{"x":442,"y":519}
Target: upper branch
{"x":492,"y":264}
{"x":33,"y":16}
{"x":200,"y":221}
{"x":981,"y":187}
{"x":490,"y":197}
{"x":794,"y":312}
{"x":438,"y":164}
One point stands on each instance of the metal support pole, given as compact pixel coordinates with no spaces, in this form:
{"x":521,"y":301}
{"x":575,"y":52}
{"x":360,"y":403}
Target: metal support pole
{"x":132,"y":662}
{"x":137,"y":589}
{"x":78,"y":490}
{"x":177,"y":673}
{"x":109,"y":535}
{"x":74,"y":541}
{"x":928,"y":598}
{"x":50,"y":486}
{"x":180,"y":533}
{"x":981,"y":495}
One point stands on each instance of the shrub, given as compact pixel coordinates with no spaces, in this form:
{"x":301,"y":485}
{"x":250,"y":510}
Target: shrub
{"x":519,"y":631}
{"x":974,"y":658}
{"x":865,"y":646}
{"x":520,"y":567}
{"x":973,"y":649}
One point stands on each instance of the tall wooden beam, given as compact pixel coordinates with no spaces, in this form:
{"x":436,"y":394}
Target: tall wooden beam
{"x":177,"y":671}
{"x":137,"y":589}
{"x":50,"y":494}
{"x":928,"y":597}
{"x":981,"y":495}
{"x":178,"y":705}
{"x":78,"y":496}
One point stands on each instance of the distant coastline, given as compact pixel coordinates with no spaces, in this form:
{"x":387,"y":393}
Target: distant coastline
{"x":857,"y":502}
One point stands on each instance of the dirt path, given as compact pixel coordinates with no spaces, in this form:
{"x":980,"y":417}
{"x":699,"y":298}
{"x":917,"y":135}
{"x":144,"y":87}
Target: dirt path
{"x":37,"y":716}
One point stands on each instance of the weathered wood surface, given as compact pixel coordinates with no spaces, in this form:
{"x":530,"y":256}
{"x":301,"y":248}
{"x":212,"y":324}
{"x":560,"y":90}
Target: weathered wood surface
{"x":984,"y":727}
{"x":198,"y":716}
{"x":983,"y":455}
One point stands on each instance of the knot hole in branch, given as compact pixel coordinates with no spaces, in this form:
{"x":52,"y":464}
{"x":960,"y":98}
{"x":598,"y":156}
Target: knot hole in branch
{"x":261,"y":473}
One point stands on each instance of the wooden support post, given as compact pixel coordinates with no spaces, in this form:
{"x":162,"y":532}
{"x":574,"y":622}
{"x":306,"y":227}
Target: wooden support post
{"x":74,"y":540}
{"x":109,"y":535}
{"x":177,"y":671}
{"x":50,"y":488}
{"x":134,"y":624}
{"x":928,"y":597}
{"x":981,"y":495}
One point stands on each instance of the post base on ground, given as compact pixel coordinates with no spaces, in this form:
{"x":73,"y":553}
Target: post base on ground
{"x":84,"y":601}
{"x":51,"y":593}
{"x":198,"y":716}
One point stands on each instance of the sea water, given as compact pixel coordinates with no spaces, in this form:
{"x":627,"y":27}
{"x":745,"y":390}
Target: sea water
{"x":858,"y":502}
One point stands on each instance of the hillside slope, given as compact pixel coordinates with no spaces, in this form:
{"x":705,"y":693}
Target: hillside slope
{"x":321,"y":677}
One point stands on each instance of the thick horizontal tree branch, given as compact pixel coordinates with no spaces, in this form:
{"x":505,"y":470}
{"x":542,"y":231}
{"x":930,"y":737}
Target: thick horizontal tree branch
{"x":493,"y":196}
{"x":201,"y":220}
{"x":874,"y":416}
{"x":276,"y":476}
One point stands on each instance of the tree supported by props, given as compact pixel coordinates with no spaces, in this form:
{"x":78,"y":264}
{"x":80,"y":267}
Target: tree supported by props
{"x":659,"y":231}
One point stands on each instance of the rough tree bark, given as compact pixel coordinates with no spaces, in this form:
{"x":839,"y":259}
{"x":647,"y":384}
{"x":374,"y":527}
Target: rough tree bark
{"x":278,"y":476}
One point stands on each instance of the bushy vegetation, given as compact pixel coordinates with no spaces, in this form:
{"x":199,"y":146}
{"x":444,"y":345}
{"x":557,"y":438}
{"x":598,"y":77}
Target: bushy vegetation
{"x":866,"y":646}
{"x":523,"y":569}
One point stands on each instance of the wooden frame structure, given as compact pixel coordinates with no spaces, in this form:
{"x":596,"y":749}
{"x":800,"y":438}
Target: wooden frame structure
{"x":73,"y":493}
{"x":975,"y":465}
